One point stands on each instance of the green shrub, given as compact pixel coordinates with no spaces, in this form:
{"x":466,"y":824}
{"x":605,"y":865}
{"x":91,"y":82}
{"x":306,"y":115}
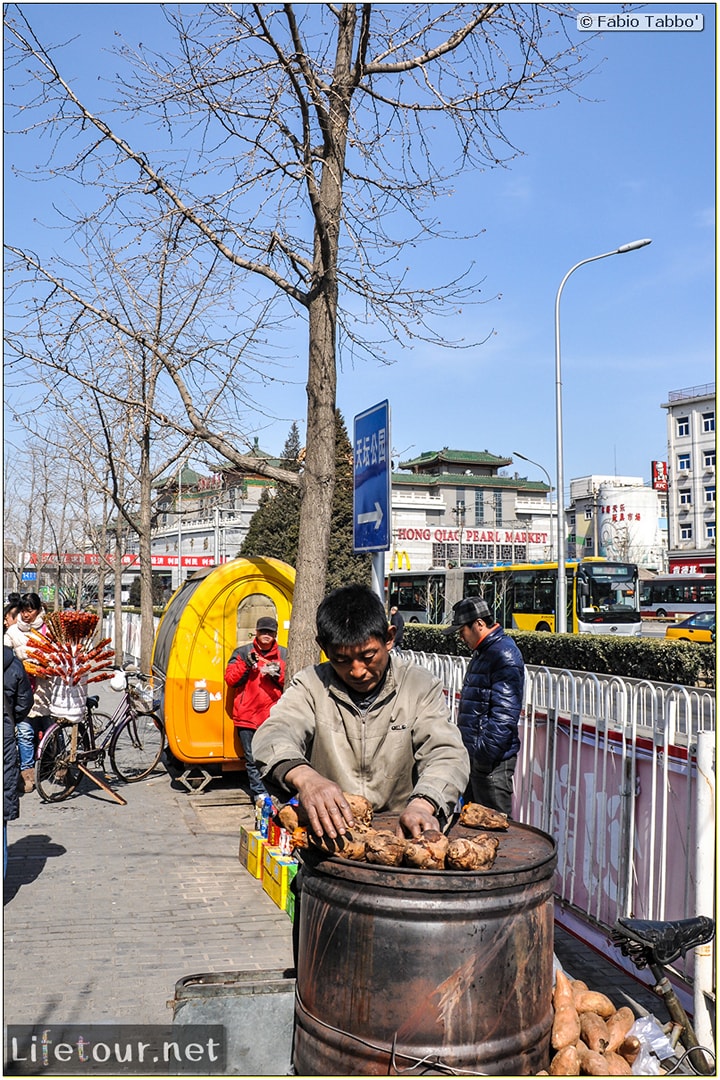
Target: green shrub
{"x":686,"y":663}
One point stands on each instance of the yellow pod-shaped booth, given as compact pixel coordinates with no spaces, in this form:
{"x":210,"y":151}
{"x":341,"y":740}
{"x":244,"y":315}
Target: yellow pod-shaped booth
{"x":209,"y":616}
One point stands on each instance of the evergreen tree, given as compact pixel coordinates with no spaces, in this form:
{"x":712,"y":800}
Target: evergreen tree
{"x":274,"y":527}
{"x":290,"y":457}
{"x":344,"y":566}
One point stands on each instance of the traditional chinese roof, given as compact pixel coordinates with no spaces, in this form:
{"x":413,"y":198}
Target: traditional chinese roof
{"x":511,"y":483}
{"x":432,"y":461}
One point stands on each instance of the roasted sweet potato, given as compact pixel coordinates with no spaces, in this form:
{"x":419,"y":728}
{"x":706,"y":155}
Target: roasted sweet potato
{"x":353,"y":845}
{"x":592,"y":1063}
{"x":578,"y":986}
{"x":362,"y":809}
{"x":565,"y":1027}
{"x":618,"y":1026}
{"x":482,"y":817}
{"x":566,"y":1062}
{"x":594,"y":1031}
{"x":302,"y":837}
{"x":385,"y":848}
{"x":592,"y":1001}
{"x":563,"y":992}
{"x":616,"y":1065}
{"x":288,"y":817}
{"x":629,"y":1048}
{"x":488,"y":845}
{"x":477,"y":853}
{"x":427,"y":852}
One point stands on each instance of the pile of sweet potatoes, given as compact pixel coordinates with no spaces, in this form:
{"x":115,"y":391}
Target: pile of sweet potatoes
{"x":590,"y":1037}
{"x":431,"y":851}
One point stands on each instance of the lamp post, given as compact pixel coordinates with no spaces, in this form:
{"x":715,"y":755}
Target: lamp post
{"x":459,"y":512}
{"x":516,"y":453}
{"x":561,"y":602}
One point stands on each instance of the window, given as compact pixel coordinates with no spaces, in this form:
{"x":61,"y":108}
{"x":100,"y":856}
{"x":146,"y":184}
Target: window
{"x":480,"y":507}
{"x":588,"y":514}
{"x":683,"y":462}
{"x":683,"y":426}
{"x":685,"y":498}
{"x":708,"y":421}
{"x":710,"y":494}
{"x":686,"y":532}
{"x":709,"y":459}
{"x":709,"y":530}
{"x":497,"y":498}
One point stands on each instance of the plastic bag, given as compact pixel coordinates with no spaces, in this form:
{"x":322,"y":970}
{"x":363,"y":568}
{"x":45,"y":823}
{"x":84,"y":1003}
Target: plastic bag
{"x":654,"y":1046}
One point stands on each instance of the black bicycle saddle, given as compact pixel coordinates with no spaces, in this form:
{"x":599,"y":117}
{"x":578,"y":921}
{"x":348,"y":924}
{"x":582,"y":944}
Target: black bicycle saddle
{"x":648,"y":942}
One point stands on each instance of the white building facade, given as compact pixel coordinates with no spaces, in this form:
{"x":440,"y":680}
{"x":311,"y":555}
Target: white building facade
{"x":459,"y":507}
{"x":619,"y":518}
{"x":691,"y":478}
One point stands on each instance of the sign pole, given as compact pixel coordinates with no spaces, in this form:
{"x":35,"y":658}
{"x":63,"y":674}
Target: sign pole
{"x":378,"y":574}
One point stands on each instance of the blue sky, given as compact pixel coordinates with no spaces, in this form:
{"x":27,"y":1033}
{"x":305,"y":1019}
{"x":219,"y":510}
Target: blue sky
{"x":635,"y":159}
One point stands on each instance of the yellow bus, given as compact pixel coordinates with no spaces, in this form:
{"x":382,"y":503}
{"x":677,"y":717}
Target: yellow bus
{"x":602,"y":597}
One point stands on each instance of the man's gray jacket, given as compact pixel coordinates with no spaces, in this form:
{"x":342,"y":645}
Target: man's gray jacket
{"x":403,"y":746}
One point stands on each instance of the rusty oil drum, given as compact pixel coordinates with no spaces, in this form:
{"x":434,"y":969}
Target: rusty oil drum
{"x":399,"y":969}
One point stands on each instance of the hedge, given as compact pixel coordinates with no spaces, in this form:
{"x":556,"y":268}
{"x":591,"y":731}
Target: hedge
{"x":686,"y":663}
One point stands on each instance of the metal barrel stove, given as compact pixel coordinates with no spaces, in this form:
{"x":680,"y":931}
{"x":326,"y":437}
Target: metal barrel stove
{"x":403,"y":970}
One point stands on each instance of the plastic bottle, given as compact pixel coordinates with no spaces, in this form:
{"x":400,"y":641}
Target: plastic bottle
{"x":259,"y":801}
{"x":267,"y":812}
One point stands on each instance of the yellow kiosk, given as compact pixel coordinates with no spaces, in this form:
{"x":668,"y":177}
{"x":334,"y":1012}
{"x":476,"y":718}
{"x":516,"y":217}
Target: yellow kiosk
{"x":212,"y":613}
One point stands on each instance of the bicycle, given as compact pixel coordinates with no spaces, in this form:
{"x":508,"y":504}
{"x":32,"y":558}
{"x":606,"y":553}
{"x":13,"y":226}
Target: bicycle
{"x":655,"y":944}
{"x":133,"y":737}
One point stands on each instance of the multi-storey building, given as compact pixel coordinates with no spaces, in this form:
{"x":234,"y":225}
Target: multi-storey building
{"x":617,"y":517}
{"x":691,"y":478}
{"x":456,"y":506}
{"x":205,"y":518}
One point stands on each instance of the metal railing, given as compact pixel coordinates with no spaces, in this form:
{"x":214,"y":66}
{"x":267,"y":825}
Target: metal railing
{"x":609,"y":767}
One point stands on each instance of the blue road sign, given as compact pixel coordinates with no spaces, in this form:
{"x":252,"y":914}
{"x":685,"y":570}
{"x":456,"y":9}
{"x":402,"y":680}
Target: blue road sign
{"x":29,"y":575}
{"x":371,"y":479}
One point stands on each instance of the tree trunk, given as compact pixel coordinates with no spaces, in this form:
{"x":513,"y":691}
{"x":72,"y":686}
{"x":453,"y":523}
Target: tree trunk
{"x":147,"y":624}
{"x":318,"y":483}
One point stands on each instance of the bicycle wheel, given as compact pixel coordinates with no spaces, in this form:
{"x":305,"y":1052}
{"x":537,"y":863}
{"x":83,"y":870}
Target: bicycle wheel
{"x":101,"y":723}
{"x":56,"y":776}
{"x":136,"y":747}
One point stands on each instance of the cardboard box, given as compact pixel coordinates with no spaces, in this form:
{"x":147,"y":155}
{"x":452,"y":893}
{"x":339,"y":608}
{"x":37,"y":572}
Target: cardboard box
{"x":244,"y":845}
{"x":273,"y":834}
{"x":256,"y":853}
{"x":278,"y":872}
{"x":290,"y":905}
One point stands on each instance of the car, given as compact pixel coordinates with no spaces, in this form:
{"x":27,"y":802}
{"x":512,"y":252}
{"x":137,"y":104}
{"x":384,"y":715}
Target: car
{"x":699,"y":627}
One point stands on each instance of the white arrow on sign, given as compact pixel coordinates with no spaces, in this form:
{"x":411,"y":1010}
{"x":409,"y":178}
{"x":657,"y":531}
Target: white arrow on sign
{"x":375,"y":515}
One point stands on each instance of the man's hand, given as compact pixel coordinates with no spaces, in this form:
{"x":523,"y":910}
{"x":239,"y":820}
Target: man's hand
{"x":327,"y":809}
{"x":417,"y":817}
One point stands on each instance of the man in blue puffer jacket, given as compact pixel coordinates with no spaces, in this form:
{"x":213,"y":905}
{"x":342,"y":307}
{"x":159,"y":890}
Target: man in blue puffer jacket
{"x":490,"y":703}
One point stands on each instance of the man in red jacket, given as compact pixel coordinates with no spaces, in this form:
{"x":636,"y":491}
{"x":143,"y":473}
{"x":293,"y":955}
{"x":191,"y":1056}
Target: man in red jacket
{"x":256,"y":671}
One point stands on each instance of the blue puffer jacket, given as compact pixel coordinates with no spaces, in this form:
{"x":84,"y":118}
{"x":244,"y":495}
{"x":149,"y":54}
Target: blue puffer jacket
{"x":491,"y":700}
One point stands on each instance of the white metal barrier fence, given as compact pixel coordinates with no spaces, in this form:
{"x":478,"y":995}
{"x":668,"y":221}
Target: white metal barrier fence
{"x":130,"y":624}
{"x":609,"y":767}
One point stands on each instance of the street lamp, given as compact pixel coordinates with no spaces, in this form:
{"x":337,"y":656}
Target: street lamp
{"x":561,"y":601}
{"x":459,"y":511}
{"x":516,"y":453}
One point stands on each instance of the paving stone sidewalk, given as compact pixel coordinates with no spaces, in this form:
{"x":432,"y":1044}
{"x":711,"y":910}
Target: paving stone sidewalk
{"x":107,"y":906}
